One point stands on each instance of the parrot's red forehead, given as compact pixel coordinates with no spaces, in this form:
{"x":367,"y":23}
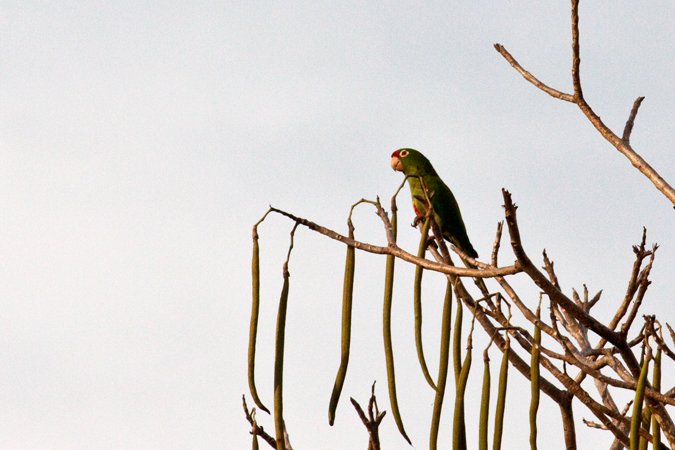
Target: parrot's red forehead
{"x":396,"y":154}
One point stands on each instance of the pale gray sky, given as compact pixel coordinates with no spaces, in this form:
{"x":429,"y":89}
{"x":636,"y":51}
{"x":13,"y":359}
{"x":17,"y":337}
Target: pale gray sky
{"x":140,"y":141}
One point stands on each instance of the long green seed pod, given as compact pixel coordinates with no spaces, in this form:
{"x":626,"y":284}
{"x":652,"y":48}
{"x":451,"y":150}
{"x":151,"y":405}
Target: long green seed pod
{"x":458,"y":427}
{"x":418,"y":303}
{"x":253,"y":330}
{"x":442,"y":366}
{"x":457,"y":341}
{"x":279,"y":363}
{"x":501,"y":398}
{"x":279,"y":353}
{"x":636,"y":420}
{"x":386,"y":325}
{"x":484,"y":405}
{"x":656,"y":429}
{"x":457,"y":363}
{"x":646,"y":424}
{"x":347,"y":292}
{"x":534,"y":383}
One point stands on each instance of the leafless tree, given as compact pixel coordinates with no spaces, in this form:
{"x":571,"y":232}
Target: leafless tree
{"x":616,"y":355}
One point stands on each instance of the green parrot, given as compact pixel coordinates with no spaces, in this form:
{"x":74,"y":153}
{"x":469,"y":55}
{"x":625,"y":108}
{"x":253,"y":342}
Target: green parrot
{"x":446,"y":210}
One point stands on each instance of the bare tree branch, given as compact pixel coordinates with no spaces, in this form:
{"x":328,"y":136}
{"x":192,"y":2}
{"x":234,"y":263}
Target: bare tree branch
{"x":393,"y":249}
{"x":257,"y":429}
{"x":548,"y":266}
{"x":531,"y":78}
{"x":622,"y":145}
{"x":372,"y":422}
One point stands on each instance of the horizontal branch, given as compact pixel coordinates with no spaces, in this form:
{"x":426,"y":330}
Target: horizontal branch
{"x":393,"y":249}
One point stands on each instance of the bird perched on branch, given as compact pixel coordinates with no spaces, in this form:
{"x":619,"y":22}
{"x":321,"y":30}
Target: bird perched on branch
{"x":446,"y":210}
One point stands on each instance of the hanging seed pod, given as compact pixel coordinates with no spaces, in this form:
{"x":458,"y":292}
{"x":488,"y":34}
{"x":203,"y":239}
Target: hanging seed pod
{"x":253,"y":329}
{"x":457,"y":363}
{"x":279,"y":363}
{"x":347,"y":293}
{"x":459,"y":428}
{"x":386,"y":325}
{"x":534,"y":383}
{"x":418,"y":303}
{"x":646,"y":425}
{"x":444,"y":362}
{"x":457,"y":341}
{"x":636,"y":420}
{"x":501,"y":397}
{"x":484,"y":405}
{"x":279,"y":353}
{"x":656,"y":429}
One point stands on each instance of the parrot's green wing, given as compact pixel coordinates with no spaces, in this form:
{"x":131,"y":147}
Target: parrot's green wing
{"x":448,"y":215}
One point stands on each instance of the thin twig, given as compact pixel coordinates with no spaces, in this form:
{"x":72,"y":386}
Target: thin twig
{"x":257,"y":429}
{"x":548,"y":266}
{"x":593,"y":301}
{"x":659,"y":341}
{"x":628,"y":129}
{"x":372,"y":422}
{"x":643,"y":282}
{"x":495,"y":246}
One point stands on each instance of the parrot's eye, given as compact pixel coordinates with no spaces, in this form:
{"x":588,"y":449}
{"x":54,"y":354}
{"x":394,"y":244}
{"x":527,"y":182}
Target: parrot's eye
{"x":403,"y":153}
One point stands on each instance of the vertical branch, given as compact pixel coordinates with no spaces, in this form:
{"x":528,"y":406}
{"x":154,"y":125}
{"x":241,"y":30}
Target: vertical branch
{"x":576,"y":58}
{"x":568,"y":422}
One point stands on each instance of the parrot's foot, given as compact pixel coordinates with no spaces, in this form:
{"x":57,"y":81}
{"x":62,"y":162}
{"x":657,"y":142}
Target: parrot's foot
{"x":418,"y":219}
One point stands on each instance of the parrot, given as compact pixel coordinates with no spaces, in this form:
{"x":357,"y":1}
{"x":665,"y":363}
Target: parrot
{"x":446,"y":210}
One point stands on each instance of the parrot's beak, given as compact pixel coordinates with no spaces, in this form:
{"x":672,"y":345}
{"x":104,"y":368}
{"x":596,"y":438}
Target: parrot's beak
{"x":396,"y":164}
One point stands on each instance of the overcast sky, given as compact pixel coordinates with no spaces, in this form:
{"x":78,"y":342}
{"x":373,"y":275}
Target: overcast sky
{"x":140,"y":141}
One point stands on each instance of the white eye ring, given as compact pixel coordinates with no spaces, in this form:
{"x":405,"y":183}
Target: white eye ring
{"x":404,"y":153}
